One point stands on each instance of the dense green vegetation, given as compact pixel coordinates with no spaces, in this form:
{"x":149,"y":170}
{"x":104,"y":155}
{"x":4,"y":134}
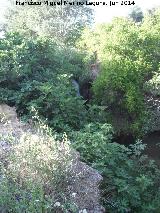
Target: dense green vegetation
{"x":33,"y":181}
{"x":129,"y":55}
{"x":130,"y":179}
{"x":37,"y":72}
{"x":63,"y":23}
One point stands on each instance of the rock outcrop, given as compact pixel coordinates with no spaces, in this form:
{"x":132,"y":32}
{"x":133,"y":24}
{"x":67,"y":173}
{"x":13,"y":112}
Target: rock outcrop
{"x":83,"y":188}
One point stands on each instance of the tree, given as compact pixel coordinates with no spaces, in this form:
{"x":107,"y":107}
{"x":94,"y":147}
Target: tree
{"x":136,"y":14}
{"x":128,"y":55}
{"x":63,"y":22}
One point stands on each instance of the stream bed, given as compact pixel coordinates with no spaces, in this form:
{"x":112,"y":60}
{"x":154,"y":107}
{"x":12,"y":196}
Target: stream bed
{"x":151,"y":140}
{"x":153,"y":149}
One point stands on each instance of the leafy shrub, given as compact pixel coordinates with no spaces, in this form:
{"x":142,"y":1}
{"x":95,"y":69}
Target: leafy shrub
{"x":131,"y":180}
{"x":38,"y":73}
{"x":128,"y":56}
{"x":38,"y":58}
{"x":92,"y":141}
{"x":35,"y":174}
{"x":55,"y":101}
{"x":118,"y":85}
{"x":153,"y":85}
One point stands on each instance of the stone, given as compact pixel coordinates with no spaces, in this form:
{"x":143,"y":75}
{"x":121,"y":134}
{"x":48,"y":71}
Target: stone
{"x":83,"y":188}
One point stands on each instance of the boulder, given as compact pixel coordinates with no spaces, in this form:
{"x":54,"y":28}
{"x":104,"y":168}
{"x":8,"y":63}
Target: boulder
{"x":84,"y":187}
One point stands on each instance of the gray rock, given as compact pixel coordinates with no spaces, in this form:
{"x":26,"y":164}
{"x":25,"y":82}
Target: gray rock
{"x":83,"y":187}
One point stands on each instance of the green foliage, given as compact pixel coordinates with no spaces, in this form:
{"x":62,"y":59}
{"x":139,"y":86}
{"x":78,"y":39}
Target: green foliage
{"x":37,"y":73}
{"x":136,"y":14}
{"x":92,"y":141}
{"x":37,"y":59}
{"x":128,"y":55}
{"x":153,"y":85}
{"x":55,"y":101}
{"x":35,"y":174}
{"x":131,"y":180}
{"x":16,"y":199}
{"x":64,"y":23}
